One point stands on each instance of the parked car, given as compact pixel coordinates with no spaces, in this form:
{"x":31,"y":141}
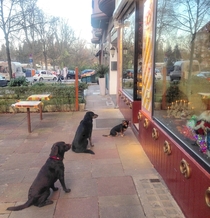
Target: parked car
{"x":54,"y":72}
{"x":176,"y":73}
{"x":44,"y":75}
{"x":181,"y":69}
{"x":3,"y":81}
{"x":205,"y":73}
{"x":71,"y":74}
{"x":17,"y":70}
{"x":128,"y":74}
{"x":87,"y":72}
{"x":158,"y":74}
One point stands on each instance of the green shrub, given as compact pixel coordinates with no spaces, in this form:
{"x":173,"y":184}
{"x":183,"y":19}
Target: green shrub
{"x":83,"y":86}
{"x":20,"y":81}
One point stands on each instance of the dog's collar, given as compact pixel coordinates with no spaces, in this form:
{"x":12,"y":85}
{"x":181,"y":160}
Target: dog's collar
{"x":55,"y":158}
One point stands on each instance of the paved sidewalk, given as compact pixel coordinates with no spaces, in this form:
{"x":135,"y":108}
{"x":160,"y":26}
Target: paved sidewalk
{"x":117,"y":182}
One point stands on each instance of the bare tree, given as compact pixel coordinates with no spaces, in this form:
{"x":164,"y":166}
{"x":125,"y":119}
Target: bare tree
{"x":191,"y":16}
{"x":61,"y":43}
{"x":45,"y":31}
{"x":10,"y":19}
{"x":28,"y":31}
{"x":30,"y":18}
{"x":81,"y":56}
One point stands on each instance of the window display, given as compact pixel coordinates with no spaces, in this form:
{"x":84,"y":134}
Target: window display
{"x":181,"y":101}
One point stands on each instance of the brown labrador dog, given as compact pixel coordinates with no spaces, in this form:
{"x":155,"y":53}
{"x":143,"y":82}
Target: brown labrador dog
{"x":83,"y":134}
{"x":51,"y":171}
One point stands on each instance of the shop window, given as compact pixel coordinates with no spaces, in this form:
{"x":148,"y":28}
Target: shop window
{"x":181,"y":100}
{"x":128,"y":55}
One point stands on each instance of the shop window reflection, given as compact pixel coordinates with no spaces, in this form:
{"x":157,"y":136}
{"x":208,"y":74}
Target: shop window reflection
{"x":182,"y":58}
{"x":128,"y":55}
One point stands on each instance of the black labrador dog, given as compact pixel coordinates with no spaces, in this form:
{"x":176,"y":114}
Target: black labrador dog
{"x":50,"y":172}
{"x":119,"y":129}
{"x":83,"y":134}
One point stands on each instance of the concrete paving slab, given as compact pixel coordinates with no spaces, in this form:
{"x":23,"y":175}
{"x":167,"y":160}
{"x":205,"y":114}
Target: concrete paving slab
{"x":12,"y":176}
{"x":77,"y":207}
{"x":108,"y":170}
{"x":15,"y":192}
{"x":34,"y":212}
{"x":122,"y":185}
{"x":80,"y":188}
{"x":105,"y":153}
{"x":78,"y":166}
{"x":20,"y":161}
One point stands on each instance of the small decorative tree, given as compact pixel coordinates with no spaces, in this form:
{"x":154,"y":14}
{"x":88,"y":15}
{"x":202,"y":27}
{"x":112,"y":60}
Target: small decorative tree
{"x":101,"y":70}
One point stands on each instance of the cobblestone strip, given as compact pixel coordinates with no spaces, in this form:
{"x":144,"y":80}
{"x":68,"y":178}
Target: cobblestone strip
{"x":156,"y":199}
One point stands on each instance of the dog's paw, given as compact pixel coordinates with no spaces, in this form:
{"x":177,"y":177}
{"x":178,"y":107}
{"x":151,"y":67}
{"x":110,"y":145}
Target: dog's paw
{"x":92,"y":145}
{"x":67,"y":190}
{"x":47,"y":202}
{"x":55,"y":189}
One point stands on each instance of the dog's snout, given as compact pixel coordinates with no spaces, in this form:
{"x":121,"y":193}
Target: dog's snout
{"x":68,"y":146}
{"x":95,"y":115}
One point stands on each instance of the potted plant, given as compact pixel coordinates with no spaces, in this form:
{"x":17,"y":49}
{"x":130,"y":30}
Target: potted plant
{"x":101,"y":70}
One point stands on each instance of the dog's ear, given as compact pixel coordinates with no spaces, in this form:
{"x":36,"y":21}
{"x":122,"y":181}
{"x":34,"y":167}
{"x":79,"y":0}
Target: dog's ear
{"x":54,"y":150}
{"x":125,"y":122}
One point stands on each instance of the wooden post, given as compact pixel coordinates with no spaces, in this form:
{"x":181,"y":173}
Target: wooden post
{"x":29,"y":120}
{"x":76,"y":90}
{"x":40,"y":108}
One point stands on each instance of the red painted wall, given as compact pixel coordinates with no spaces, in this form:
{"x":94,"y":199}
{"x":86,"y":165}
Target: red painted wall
{"x":188,"y":192}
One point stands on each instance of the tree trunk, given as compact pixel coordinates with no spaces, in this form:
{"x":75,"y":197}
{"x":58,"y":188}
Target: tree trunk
{"x":8,"y":57}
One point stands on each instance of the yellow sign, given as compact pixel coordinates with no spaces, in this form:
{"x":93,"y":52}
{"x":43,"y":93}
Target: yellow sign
{"x":147,"y":76}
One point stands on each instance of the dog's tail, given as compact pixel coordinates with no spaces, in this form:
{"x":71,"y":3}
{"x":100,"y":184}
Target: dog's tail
{"x":89,"y":151}
{"x":106,"y":135}
{"x":21,"y":207}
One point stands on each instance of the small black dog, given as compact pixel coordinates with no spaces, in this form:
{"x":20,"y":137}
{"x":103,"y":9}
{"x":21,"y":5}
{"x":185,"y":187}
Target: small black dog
{"x":83,"y":134}
{"x":51,"y":171}
{"x":119,"y":129}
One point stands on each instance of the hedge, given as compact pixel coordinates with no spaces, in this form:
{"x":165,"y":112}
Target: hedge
{"x":62,"y":95}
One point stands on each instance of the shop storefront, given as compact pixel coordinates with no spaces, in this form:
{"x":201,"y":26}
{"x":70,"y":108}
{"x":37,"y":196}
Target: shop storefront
{"x":160,"y":68}
{"x":165,"y":92}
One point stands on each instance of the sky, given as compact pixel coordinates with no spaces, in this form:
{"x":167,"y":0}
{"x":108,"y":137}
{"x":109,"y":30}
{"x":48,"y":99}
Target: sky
{"x":78,"y":12}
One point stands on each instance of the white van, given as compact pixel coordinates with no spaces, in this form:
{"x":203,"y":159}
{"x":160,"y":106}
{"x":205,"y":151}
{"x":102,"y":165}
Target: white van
{"x":17,"y":70}
{"x":184,"y":67}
